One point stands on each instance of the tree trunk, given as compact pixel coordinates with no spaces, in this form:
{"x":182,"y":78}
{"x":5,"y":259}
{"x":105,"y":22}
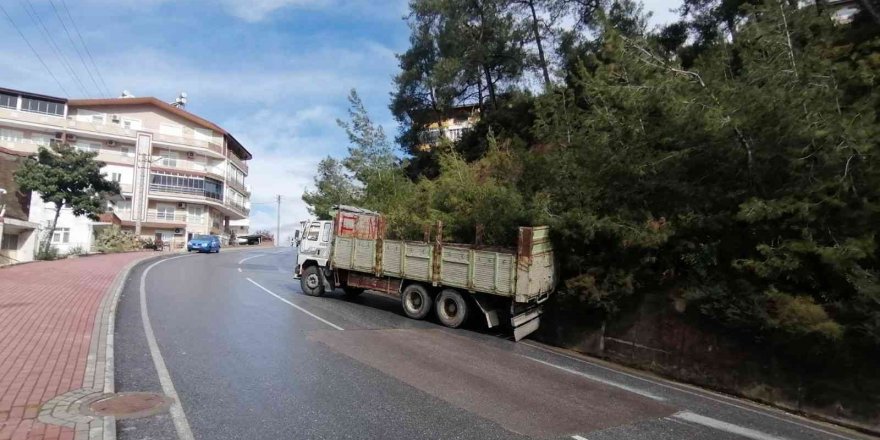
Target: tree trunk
{"x":490,"y":85}
{"x":537,"y":32}
{"x":48,"y":242}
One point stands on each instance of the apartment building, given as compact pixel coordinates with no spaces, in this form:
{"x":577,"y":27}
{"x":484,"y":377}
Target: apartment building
{"x":180,"y":174}
{"x":452,"y":126}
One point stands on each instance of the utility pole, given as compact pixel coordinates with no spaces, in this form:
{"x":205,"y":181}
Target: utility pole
{"x":278,"y":225}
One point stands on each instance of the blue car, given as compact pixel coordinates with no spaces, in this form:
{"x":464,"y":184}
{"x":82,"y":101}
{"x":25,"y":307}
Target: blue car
{"x":204,"y":243}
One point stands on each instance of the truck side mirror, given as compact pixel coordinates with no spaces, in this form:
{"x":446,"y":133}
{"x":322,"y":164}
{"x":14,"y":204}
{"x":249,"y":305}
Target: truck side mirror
{"x":296,"y":235}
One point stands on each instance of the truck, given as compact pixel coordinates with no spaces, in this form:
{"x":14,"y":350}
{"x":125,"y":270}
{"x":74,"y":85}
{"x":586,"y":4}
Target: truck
{"x":453,"y":280}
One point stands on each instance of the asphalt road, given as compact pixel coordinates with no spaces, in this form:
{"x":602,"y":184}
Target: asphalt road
{"x":248,"y":356}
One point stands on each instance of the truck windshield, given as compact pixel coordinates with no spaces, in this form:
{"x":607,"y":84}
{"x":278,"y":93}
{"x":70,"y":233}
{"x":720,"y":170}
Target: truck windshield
{"x":314,"y":231}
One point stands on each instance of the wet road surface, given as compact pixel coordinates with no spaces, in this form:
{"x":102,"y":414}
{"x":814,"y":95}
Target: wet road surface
{"x":250,"y":357}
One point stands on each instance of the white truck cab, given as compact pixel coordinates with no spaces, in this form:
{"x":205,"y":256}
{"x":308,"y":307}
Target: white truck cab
{"x":313,"y":251}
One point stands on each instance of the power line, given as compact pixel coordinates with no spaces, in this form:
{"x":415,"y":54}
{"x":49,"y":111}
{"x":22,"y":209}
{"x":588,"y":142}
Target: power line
{"x":35,"y":18}
{"x":75,"y":48}
{"x":11,"y":21}
{"x":88,"y":52}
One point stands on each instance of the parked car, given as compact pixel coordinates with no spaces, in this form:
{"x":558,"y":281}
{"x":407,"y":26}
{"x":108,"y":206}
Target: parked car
{"x":204,"y":243}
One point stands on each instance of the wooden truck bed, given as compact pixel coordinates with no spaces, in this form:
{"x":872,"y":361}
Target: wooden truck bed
{"x":524,"y":274}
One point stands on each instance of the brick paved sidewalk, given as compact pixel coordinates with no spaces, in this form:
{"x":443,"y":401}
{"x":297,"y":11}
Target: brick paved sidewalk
{"x":48,"y":314}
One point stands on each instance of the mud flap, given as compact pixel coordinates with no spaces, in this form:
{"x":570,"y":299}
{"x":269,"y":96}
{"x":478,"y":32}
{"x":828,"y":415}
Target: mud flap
{"x":490,"y":313}
{"x":525,"y":323}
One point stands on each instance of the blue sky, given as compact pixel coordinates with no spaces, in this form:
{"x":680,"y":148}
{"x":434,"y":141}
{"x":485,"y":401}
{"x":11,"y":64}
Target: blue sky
{"x":275,"y":73}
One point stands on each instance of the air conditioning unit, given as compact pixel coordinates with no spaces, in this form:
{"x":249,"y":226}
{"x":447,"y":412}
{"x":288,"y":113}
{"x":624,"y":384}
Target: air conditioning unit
{"x":115,"y":118}
{"x":190,"y":155}
{"x":181,"y":205}
{"x":59,"y":135}
{"x":112,"y":143}
{"x":71,"y":137}
{"x":178,"y":231}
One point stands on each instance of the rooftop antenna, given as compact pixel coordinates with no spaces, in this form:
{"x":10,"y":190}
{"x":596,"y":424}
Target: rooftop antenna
{"x":126,"y":94}
{"x":180,"y":102}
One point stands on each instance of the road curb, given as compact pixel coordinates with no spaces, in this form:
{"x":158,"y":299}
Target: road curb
{"x":99,"y":379}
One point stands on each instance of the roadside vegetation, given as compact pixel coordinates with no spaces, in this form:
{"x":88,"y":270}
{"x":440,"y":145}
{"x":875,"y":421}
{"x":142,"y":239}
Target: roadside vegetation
{"x":725,"y":162}
{"x":68,"y":178}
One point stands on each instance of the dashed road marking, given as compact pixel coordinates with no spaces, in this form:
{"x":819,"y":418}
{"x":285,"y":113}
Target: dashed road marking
{"x":239,"y":270}
{"x":296,"y":306}
{"x":601,"y":380}
{"x":181,"y":424}
{"x":724,"y":426}
{"x":702,"y":394}
{"x":577,"y":437}
{"x":253,"y":256}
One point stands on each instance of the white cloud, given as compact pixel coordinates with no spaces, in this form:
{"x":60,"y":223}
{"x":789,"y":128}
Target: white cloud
{"x":257,"y":10}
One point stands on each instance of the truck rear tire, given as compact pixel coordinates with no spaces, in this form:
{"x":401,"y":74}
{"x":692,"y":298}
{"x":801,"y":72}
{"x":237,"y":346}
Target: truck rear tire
{"x":416,"y":301}
{"x":312,"y":282}
{"x":452,"y":308}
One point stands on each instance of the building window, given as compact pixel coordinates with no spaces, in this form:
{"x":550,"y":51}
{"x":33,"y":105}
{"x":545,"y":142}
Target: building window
{"x":61,"y":236}
{"x":10,"y":135}
{"x":40,"y":106}
{"x":132,"y":124}
{"x":169,"y":159}
{"x":10,"y":242}
{"x":203,"y":134}
{"x":165,"y":212}
{"x":195,"y":214}
{"x":116,"y":177}
{"x":99,"y":118}
{"x":88,"y":147}
{"x":8,"y":101}
{"x":172,"y":129}
{"x":125,"y":151}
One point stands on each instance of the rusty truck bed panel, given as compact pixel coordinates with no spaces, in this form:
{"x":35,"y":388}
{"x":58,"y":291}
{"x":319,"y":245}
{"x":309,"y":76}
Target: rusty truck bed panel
{"x":524,"y":274}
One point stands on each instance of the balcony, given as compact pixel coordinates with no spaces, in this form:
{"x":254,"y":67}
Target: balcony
{"x":237,"y":162}
{"x":240,"y":187}
{"x":189,"y":165}
{"x":175,"y":218}
{"x":187,"y":142}
{"x":125,"y":188}
{"x":186,"y":192}
{"x":240,"y":209}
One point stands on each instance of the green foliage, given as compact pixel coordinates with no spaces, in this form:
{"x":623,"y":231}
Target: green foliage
{"x":115,"y":239}
{"x":75,"y":251}
{"x":65,"y":176}
{"x":47,"y":254}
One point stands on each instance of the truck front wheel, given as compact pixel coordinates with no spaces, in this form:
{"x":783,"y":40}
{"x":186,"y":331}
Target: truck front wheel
{"x":416,"y":301}
{"x":452,"y":308}
{"x":311,"y":282}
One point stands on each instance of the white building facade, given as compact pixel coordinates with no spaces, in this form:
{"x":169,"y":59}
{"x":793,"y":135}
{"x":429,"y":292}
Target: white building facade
{"x":180,"y":174}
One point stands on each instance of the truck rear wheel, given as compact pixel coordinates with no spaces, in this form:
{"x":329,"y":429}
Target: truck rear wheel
{"x":452,"y":308}
{"x":416,"y":301}
{"x":311,"y":282}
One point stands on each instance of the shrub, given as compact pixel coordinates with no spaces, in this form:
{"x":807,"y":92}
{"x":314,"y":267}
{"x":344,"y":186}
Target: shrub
{"x":76,"y":250}
{"x":47,"y":254}
{"x":114,"y":239}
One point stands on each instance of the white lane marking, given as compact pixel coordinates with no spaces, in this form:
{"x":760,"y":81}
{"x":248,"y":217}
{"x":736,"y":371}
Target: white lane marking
{"x":693,"y":393}
{"x":577,"y":437}
{"x":239,"y":270}
{"x":296,"y":306}
{"x":252,"y":257}
{"x":601,"y":380}
{"x":181,"y":424}
{"x":724,"y":426}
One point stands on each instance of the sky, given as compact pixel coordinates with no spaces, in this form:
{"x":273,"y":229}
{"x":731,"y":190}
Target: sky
{"x":274,"y":73}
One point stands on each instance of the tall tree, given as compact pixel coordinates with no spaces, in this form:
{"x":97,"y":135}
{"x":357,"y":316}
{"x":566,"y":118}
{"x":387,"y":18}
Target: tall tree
{"x":67,"y":177}
{"x":332,"y":187}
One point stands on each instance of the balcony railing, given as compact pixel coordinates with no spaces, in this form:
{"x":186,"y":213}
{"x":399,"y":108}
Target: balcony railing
{"x":165,"y":217}
{"x":186,"y":141}
{"x":240,"y":187}
{"x":176,"y":218}
{"x":238,"y":207}
{"x":237,"y":162}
